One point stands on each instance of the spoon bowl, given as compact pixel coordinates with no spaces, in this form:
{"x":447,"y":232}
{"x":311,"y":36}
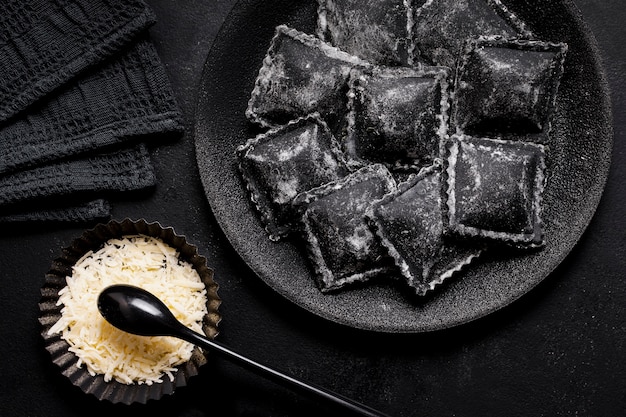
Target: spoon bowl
{"x":137,"y":311}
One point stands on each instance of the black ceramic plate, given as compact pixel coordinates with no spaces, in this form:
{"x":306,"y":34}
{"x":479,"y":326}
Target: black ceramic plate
{"x":579,"y":160}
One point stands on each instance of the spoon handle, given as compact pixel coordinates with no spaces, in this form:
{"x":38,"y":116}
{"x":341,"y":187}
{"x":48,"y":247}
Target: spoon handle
{"x":277,"y":376}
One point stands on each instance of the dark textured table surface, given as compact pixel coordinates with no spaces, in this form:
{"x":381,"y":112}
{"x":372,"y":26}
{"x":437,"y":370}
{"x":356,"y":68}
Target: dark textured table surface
{"x":558,"y":351}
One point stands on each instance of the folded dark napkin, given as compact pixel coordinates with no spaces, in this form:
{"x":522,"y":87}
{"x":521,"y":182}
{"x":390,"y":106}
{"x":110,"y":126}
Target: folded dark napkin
{"x":81,"y":90}
{"x":98,"y":209}
{"x":128,"y":98}
{"x":45,"y":43}
{"x":121,"y":170}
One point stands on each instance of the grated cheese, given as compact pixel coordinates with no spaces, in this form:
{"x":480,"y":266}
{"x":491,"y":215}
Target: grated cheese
{"x":145,"y":262}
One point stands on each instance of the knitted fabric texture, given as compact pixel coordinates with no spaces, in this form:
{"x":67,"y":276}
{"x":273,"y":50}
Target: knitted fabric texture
{"x":122,"y":170}
{"x":45,"y":43}
{"x":129,"y":97}
{"x":92,"y":210}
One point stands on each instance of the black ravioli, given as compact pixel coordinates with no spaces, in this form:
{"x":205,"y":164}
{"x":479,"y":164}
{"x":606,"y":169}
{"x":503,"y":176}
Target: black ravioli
{"x":507,"y":86}
{"x":397,"y":116}
{"x":397,"y":78}
{"x":441,"y":27}
{"x":284,"y":162}
{"x":374,"y":30}
{"x":493,"y":190}
{"x":300,"y":75}
{"x":340,"y":244}
{"x":409,"y":224}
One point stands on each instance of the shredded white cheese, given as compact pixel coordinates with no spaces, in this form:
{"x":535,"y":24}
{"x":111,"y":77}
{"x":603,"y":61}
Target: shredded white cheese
{"x":145,"y":262}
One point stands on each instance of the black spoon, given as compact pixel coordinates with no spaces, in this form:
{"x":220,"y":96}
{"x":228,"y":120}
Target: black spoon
{"x":137,"y":311}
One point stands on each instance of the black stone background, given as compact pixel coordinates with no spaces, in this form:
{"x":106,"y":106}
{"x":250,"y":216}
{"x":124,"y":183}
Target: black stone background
{"x":558,"y":351}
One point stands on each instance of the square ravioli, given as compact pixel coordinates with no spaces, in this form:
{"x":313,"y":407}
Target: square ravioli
{"x":340,"y":244}
{"x":374,"y":30}
{"x":278,"y":165}
{"x":441,"y":27}
{"x":397,"y":116}
{"x":493,"y":190}
{"x":410,"y":226}
{"x":507,"y":86}
{"x":300,"y":75}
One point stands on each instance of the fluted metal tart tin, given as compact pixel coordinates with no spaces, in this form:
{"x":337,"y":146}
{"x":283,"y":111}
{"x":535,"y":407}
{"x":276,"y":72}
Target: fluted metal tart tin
{"x":50,"y":312}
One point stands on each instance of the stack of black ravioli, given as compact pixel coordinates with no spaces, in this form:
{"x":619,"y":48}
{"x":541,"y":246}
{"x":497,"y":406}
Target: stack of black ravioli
{"x":82,"y":92}
{"x":403,"y":139}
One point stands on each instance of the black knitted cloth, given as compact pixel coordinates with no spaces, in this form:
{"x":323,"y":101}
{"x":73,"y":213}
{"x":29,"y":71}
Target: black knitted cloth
{"x":127,"y":98}
{"x":122,"y":170}
{"x":99,"y":209}
{"x":82,"y":90}
{"x":45,"y":43}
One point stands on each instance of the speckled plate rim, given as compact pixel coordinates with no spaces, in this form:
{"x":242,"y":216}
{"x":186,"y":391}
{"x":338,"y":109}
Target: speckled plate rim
{"x":578,"y":170}
{"x":50,"y":312}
